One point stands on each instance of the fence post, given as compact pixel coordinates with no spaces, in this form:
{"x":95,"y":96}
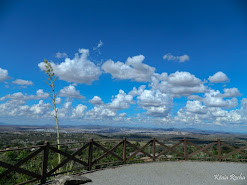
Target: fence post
{"x":124,"y":150}
{"x":153,"y":151}
{"x":90,"y":155}
{"x":219,"y":149}
{"x":45,"y":162}
{"x":185,"y":149}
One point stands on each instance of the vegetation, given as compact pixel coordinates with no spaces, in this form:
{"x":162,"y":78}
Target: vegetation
{"x":51,"y":80}
{"x":24,"y":139}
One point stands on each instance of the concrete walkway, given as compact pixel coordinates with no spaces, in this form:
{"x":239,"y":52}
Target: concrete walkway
{"x":173,"y":173}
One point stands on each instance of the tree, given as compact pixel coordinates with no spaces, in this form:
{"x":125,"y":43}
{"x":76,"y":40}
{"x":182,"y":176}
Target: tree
{"x":51,"y":80}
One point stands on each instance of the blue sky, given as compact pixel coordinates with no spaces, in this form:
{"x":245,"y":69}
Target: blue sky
{"x":171,"y":47}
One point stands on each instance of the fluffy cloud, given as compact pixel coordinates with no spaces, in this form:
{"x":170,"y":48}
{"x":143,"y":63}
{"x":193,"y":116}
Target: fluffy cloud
{"x":41,"y":108}
{"x":121,"y":101}
{"x":65,"y":111}
{"x":135,"y":92}
{"x":22,"y":82}
{"x":195,"y":107}
{"x":231,"y":117}
{"x":79,"y":111}
{"x":3,"y":74}
{"x":15,"y":96}
{"x":71,"y":92}
{"x":187,"y":117}
{"x":178,"y":84}
{"x":58,"y":100}
{"x":194,"y":97}
{"x":181,"y":59}
{"x":214,"y":115}
{"x":196,"y":113}
{"x":79,"y":69}
{"x":96,"y":101}
{"x":61,"y":55}
{"x":11,"y":107}
{"x":214,"y":99}
{"x":133,"y":69}
{"x":40,"y":94}
{"x":244,"y":104}
{"x":122,"y":114}
{"x":218,"y":77}
{"x":183,"y":79}
{"x":217,"y":112}
{"x":99,"y":112}
{"x":231,"y":92}
{"x":18,"y":108}
{"x":156,"y":103}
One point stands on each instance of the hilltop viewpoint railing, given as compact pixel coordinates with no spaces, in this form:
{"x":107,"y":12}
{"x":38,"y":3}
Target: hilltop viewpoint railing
{"x":39,"y":163}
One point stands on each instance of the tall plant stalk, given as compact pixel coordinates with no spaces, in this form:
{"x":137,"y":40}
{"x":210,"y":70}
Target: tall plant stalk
{"x":51,"y":80}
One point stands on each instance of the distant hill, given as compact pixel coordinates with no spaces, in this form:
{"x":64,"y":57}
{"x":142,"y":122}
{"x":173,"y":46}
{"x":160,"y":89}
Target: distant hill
{"x":105,"y":129}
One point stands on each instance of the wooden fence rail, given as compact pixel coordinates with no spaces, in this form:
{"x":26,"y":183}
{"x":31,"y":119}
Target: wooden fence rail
{"x":125,"y":157}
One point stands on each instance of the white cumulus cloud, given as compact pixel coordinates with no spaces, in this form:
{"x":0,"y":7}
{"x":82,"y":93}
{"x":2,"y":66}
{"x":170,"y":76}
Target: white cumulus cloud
{"x":3,"y":74}
{"x":41,"y":108}
{"x":96,"y":100}
{"x":135,"y":91}
{"x":156,"y":103}
{"x":178,"y":84}
{"x":99,"y":112}
{"x":22,"y":82}
{"x":70,"y":92}
{"x":79,"y":69}
{"x":195,"y":107}
{"x":218,"y":77}
{"x":121,"y":101}
{"x":133,"y":69}
{"x":58,"y":100}
{"x":214,"y":99}
{"x":182,"y":58}
{"x":79,"y":111}
{"x":40,"y":94}
{"x":231,"y":92}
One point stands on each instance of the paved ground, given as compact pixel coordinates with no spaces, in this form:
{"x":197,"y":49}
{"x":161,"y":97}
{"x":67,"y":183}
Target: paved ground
{"x":173,"y":173}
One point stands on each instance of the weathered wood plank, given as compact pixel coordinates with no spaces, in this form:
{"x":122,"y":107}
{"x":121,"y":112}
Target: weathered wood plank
{"x":106,"y":153}
{"x":185,"y":149}
{"x":154,"y":148}
{"x":90,"y":155}
{"x":45,"y":163}
{"x":169,"y":148}
{"x":139,"y":149}
{"x":231,"y":147}
{"x":124,"y":150}
{"x":106,"y":150}
{"x":219,"y":149}
{"x":20,"y":170}
{"x":69,"y":157}
{"x":233,"y":152}
{"x":22,"y":162}
{"x":27,"y":182}
{"x":201,"y":149}
{"x":207,"y":152}
{"x":165,"y":151}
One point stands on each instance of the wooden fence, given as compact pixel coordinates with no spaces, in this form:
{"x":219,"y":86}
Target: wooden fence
{"x":123,"y":158}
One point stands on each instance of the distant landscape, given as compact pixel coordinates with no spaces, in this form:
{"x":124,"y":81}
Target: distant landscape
{"x":86,"y":85}
{"x":22,"y":135}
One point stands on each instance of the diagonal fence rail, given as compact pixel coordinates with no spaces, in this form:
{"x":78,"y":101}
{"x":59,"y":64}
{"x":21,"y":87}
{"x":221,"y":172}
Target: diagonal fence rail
{"x":122,"y":152}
